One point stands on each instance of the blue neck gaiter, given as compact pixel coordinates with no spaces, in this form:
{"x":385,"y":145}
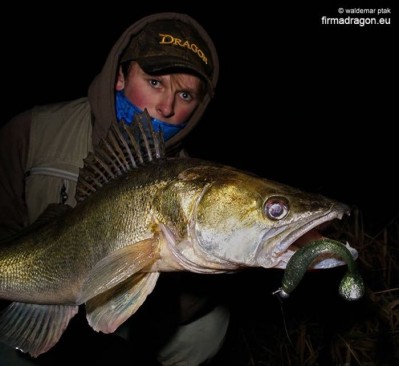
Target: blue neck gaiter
{"x":125,"y":110}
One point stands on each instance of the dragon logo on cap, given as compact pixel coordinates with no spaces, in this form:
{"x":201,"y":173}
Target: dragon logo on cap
{"x":169,"y":39}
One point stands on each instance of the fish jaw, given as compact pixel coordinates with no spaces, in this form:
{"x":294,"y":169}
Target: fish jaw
{"x":276,"y":252}
{"x":232,"y":223}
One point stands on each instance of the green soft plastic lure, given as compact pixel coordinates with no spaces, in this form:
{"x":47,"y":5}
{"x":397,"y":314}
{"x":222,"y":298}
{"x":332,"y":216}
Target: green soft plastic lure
{"x":351,"y":286}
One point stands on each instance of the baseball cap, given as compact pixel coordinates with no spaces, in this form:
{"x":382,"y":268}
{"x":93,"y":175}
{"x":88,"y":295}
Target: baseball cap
{"x":170,"y":46}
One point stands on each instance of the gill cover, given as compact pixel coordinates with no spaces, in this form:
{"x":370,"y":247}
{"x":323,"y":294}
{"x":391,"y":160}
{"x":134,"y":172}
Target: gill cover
{"x":229,"y":222}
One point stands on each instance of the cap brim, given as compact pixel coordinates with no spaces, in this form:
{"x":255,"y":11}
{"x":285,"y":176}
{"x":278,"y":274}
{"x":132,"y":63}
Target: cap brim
{"x":164,"y":64}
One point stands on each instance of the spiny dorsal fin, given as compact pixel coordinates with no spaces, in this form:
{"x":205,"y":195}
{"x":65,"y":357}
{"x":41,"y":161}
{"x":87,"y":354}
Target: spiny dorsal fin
{"x":126,"y":147}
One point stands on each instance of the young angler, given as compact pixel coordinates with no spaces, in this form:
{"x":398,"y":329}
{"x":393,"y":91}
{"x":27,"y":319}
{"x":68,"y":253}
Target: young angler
{"x":165,"y":63}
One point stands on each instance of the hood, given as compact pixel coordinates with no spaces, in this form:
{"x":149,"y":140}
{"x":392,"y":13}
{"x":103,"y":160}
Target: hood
{"x":102,"y":89}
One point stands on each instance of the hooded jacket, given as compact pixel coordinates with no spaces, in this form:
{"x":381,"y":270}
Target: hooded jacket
{"x":41,"y":150}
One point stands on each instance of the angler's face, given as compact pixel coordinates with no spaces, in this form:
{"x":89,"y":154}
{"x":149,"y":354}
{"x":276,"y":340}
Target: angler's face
{"x":170,"y":98}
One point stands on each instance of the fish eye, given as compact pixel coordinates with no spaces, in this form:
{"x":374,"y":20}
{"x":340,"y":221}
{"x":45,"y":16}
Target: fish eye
{"x":276,"y":208}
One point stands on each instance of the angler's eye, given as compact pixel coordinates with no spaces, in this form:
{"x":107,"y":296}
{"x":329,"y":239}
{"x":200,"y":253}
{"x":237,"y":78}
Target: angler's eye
{"x":276,"y":208}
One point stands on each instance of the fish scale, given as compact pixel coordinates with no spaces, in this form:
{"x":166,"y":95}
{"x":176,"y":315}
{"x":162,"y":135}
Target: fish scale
{"x":140,"y":214}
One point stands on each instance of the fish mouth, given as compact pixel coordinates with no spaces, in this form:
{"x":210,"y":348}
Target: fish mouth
{"x":306,"y":234}
{"x":327,"y":259}
{"x":311,"y":235}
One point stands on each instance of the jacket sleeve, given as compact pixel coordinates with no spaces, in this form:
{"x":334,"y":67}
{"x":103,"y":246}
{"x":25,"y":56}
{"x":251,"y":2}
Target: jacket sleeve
{"x":14,"y":145}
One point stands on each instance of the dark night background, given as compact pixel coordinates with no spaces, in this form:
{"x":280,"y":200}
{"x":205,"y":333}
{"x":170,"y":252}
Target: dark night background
{"x":299,"y":102}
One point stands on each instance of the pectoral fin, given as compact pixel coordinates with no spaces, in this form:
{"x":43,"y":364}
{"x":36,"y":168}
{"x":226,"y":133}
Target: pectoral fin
{"x":107,"y":311}
{"x":34,"y":328}
{"x":117,"y":267}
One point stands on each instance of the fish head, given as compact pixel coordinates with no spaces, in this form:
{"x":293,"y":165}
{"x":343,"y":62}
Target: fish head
{"x":246,"y":220}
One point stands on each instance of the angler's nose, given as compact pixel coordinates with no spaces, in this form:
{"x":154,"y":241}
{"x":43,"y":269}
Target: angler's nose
{"x":165,"y":106}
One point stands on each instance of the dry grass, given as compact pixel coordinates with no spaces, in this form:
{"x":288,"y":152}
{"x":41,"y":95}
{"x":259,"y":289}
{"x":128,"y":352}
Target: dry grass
{"x":315,"y":326}
{"x":379,"y":263}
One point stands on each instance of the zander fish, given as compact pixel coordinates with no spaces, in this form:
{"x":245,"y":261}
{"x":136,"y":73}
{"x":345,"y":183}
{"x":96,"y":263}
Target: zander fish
{"x":140,"y":214}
